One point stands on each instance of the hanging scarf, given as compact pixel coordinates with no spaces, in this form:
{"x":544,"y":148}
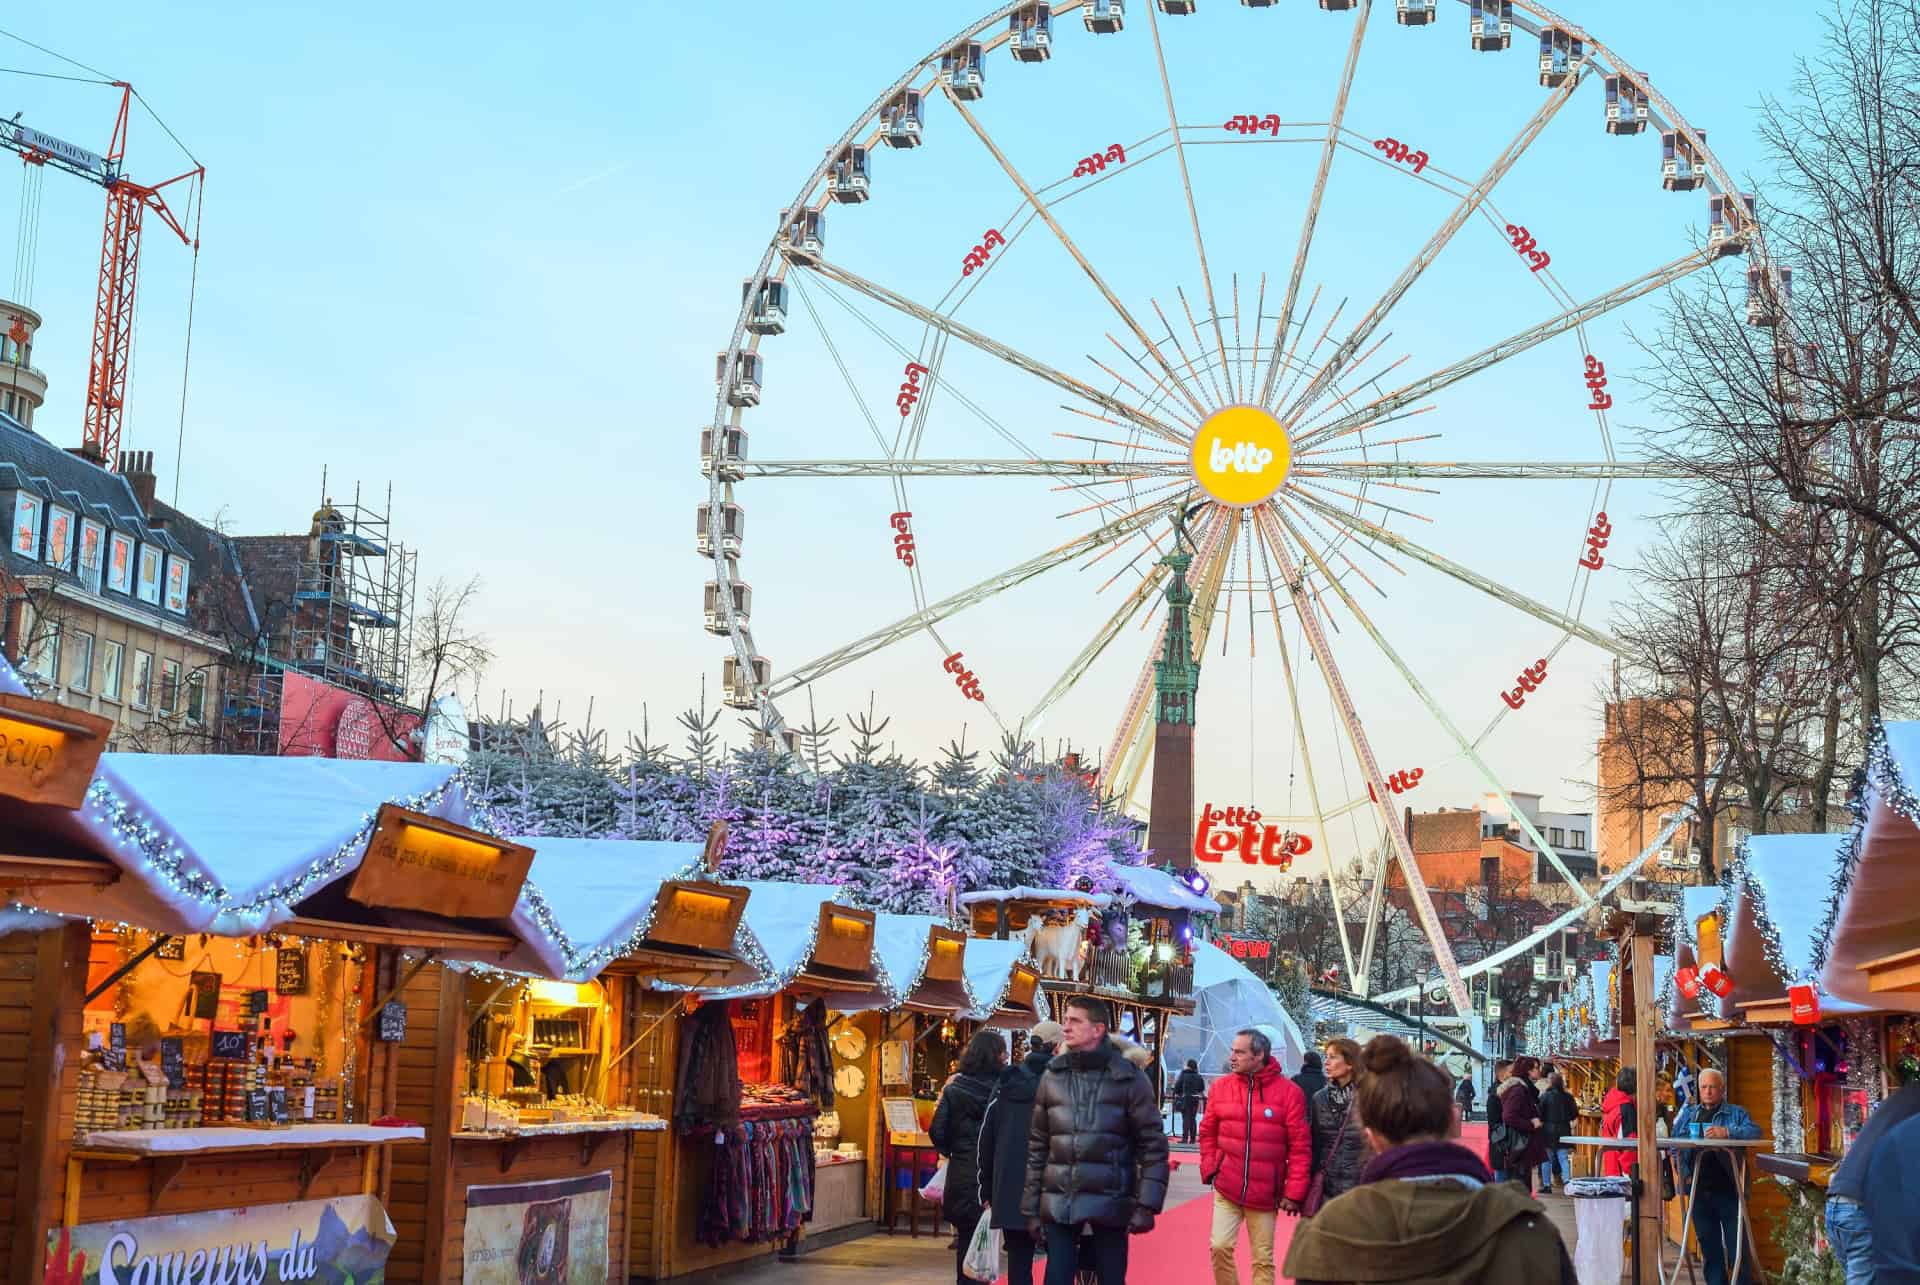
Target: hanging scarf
{"x":707,"y":1081}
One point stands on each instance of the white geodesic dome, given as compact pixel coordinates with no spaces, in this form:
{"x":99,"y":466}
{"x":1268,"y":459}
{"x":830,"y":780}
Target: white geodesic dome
{"x":1227,"y":998}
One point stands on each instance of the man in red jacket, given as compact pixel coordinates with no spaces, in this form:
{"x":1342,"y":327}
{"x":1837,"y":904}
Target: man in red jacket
{"x":1256,"y":1149}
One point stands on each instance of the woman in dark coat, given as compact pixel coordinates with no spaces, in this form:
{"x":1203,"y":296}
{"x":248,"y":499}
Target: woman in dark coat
{"x":956,"y":1135}
{"x":1339,"y":1145}
{"x":1520,"y":1112}
{"x":1003,"y":1149}
{"x":1188,"y":1088}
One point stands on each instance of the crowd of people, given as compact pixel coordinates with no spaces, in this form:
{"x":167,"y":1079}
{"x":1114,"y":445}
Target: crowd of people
{"x":1066,"y":1155}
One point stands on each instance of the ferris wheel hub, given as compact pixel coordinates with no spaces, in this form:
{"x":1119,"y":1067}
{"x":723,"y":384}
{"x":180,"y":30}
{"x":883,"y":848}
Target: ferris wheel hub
{"x":1241,"y":455}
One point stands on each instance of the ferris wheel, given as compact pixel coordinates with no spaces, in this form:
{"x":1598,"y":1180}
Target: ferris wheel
{"x":1048,"y":312}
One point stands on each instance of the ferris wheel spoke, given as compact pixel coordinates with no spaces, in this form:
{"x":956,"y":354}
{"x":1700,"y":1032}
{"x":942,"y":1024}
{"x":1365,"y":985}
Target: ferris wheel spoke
{"x":993,"y":347}
{"x":1327,"y":150}
{"x":1363,"y":751}
{"x":1427,"y":385}
{"x":1426,"y":697}
{"x":1500,"y":470}
{"x":1485,"y":584}
{"x":1140,"y":595}
{"x":902,"y":467}
{"x":991,"y":587}
{"x":1435,"y":244}
{"x":1186,"y":184}
{"x":1046,"y":215}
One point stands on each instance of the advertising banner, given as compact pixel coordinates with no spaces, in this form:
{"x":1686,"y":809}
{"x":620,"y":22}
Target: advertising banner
{"x":325,"y":721}
{"x":539,"y":1233}
{"x":342,"y":1240}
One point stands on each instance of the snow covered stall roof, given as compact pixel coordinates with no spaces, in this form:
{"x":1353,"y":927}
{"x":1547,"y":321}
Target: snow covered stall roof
{"x":1865,"y":949}
{"x":806,"y":937}
{"x":1775,"y":919}
{"x":239,"y":844}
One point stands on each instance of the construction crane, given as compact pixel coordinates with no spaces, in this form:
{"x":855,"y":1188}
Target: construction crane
{"x":127,"y":205}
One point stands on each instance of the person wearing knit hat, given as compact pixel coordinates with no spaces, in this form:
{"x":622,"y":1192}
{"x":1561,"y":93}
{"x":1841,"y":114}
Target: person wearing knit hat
{"x":1003,"y":1148}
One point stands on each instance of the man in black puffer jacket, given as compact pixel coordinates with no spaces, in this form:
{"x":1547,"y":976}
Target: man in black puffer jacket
{"x":1096,"y":1151}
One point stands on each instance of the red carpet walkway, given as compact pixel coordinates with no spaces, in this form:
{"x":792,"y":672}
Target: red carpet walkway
{"x":1176,"y":1249}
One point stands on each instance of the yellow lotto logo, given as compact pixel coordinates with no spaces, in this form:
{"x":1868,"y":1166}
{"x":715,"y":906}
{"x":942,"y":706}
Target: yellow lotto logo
{"x":1241,"y":455}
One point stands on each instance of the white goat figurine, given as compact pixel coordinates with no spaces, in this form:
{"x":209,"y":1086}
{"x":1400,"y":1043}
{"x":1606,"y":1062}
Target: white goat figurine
{"x":1056,"y":947}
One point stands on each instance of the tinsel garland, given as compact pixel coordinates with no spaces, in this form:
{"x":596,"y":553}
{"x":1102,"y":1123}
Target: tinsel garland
{"x":1789,"y":1130}
{"x":1881,"y":777}
{"x":1866,"y":1061}
{"x":590,"y":963}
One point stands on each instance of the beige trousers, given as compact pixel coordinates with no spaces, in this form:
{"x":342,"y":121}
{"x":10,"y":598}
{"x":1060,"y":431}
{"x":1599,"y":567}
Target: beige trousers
{"x":1227,"y":1218}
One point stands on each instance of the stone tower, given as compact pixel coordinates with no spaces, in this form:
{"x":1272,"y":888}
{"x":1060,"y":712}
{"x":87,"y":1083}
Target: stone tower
{"x":1176,"y":683}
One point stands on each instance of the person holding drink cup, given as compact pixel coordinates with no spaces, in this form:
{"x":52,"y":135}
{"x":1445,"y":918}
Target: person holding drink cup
{"x":1716,"y":1210}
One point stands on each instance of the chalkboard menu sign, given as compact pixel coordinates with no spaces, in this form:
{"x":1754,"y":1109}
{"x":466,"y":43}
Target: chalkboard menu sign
{"x":393,"y":1022}
{"x":206,"y":995}
{"x":174,"y":947}
{"x":173,"y":1062}
{"x":290,"y":970}
{"x":256,"y":1003}
{"x":115,"y":1054}
{"x":258,"y":1109}
{"x":230,"y":1044}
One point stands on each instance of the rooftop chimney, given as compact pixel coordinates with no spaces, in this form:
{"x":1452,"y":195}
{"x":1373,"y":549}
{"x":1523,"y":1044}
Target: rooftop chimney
{"x":137,"y":468}
{"x":90,"y":452}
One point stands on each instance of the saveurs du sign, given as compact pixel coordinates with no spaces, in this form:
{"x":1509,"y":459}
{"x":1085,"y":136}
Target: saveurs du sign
{"x":1239,"y":830}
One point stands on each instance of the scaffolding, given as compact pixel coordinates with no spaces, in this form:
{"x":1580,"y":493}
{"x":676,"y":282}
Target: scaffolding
{"x":353,"y":601}
{"x":348,"y":619}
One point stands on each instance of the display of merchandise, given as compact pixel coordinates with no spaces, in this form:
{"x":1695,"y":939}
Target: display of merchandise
{"x":808,"y":1054}
{"x":123,"y":1100}
{"x":706,"y":1084}
{"x":763,"y":1182}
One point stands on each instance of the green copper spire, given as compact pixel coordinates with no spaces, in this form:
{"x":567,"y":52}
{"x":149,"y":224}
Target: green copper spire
{"x":1176,"y":675}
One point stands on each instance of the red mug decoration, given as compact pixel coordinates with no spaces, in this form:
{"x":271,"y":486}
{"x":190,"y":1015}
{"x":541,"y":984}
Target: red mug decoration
{"x":1715,"y":979}
{"x":1804,"y":1002}
{"x":1688,"y":980}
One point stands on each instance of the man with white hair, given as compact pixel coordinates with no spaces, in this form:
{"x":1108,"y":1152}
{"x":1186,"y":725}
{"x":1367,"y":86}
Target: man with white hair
{"x":1716,"y":1210}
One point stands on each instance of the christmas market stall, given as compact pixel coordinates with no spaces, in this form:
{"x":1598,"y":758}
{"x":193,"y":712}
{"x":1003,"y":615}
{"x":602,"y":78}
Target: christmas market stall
{"x":1790,"y":1058}
{"x":1132,"y":946}
{"x":213,"y":1032}
{"x":755,"y":1071}
{"x":542,"y":1080}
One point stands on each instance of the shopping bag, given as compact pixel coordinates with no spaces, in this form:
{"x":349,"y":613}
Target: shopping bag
{"x":982,"y":1262}
{"x":936,"y":1188}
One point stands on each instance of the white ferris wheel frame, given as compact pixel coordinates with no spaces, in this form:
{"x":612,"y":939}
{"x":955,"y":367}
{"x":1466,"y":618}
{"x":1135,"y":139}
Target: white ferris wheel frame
{"x":1167,"y":399}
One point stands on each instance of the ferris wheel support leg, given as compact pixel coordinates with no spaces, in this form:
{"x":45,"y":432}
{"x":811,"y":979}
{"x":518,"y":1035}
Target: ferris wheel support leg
{"x":1376,"y":780}
{"x":1356,"y":979}
{"x":1422,"y":260}
{"x":1335,"y":121}
{"x":1093,"y":274}
{"x":1447,"y":724}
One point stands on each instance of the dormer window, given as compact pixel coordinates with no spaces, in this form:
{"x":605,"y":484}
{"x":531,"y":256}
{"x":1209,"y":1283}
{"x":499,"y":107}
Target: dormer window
{"x":60,"y":537}
{"x":120,"y":563}
{"x":26,"y":524}
{"x":176,"y":595}
{"x":148,"y":585}
{"x":93,"y":552}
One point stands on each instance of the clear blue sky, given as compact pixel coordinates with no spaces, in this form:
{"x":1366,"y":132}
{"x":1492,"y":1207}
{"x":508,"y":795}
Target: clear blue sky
{"x":487,"y":256}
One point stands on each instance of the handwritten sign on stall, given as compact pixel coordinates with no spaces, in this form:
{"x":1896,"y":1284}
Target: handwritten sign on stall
{"x":392,"y":1027}
{"x":173,"y":1061}
{"x":206,"y":995}
{"x":230,"y":1044}
{"x":290,"y":970}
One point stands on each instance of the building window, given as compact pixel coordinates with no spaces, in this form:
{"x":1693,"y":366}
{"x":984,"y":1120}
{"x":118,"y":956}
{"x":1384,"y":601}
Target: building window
{"x":1489,"y":870}
{"x":111,"y":656}
{"x":197,"y":696}
{"x":1580,"y":840}
{"x":43,"y":660}
{"x":142,"y":679}
{"x":1557,"y":837}
{"x":80,"y":674}
{"x":170,"y":686}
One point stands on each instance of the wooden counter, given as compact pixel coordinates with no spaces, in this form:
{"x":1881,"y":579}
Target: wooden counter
{"x":839,"y":1195}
